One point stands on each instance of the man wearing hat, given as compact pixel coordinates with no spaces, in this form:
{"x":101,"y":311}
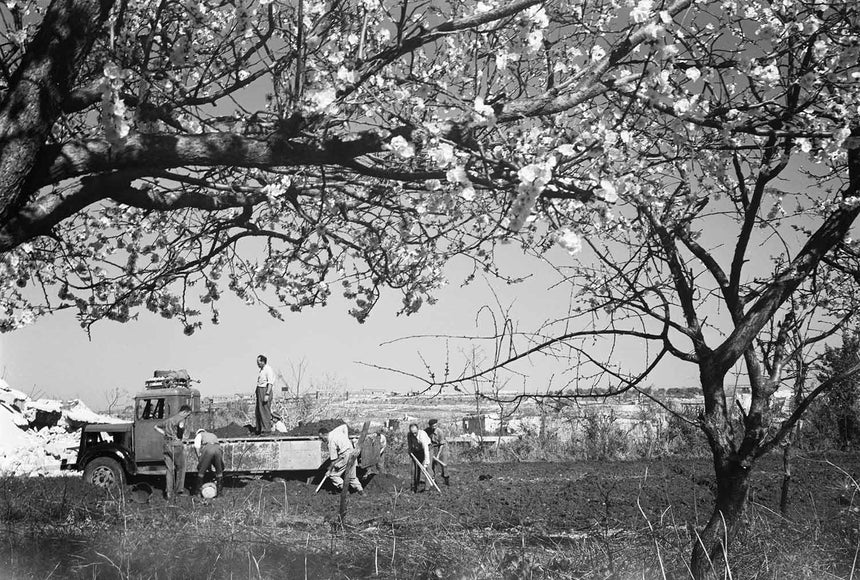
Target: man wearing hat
{"x":438,"y":449}
{"x":209,"y":454}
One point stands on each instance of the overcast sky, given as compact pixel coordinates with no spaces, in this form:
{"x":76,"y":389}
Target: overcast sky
{"x":54,"y":358}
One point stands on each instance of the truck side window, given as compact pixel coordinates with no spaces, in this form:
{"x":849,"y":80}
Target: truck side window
{"x":150,"y":409}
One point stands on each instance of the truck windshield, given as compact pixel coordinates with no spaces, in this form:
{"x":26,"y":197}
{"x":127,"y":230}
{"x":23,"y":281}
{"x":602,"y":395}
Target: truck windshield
{"x":150,"y":408}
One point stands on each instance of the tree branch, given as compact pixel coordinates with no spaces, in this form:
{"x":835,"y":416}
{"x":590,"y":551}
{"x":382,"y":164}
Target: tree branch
{"x":164,"y":151}
{"x":39,"y":87}
{"x":789,"y":423}
{"x":834,"y":229}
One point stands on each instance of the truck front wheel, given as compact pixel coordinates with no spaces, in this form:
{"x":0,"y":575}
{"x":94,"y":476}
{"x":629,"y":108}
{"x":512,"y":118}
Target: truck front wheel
{"x":104,"y":472}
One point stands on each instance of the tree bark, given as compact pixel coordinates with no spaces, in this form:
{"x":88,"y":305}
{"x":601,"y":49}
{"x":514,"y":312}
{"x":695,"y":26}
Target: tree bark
{"x":46,"y":76}
{"x":709,"y":553}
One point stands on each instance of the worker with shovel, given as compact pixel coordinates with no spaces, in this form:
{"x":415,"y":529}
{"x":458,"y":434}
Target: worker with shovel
{"x":418,"y":445}
{"x":439,"y":449}
{"x":340,"y":448}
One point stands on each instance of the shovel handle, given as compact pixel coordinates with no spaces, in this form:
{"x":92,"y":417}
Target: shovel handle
{"x":424,"y":471}
{"x":325,"y":477}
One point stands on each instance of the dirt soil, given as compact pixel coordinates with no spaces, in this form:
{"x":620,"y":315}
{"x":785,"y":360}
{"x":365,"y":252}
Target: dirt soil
{"x":232,"y":430}
{"x":314,"y":427}
{"x":290,"y":530}
{"x":568,"y":497}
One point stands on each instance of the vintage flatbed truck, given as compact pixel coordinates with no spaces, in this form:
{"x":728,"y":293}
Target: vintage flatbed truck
{"x":111,"y":452}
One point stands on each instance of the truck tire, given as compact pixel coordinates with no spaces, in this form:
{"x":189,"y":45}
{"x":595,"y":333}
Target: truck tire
{"x":104,"y":472}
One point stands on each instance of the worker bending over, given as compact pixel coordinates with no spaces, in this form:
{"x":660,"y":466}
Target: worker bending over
{"x":439,"y":449}
{"x":209,"y":455}
{"x":340,"y":449}
{"x":418,"y":444}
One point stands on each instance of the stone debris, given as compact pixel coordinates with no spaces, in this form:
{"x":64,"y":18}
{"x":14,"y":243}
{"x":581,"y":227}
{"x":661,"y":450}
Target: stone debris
{"x":36,"y":435}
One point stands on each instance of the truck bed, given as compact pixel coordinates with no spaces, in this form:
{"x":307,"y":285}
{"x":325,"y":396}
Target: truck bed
{"x":265,"y":453}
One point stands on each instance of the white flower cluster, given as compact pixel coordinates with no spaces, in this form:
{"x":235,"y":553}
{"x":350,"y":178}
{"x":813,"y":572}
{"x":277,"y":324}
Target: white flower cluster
{"x":533,"y":179}
{"x":534,"y":22}
{"x":400,"y":147}
{"x":483,"y":114}
{"x":608,"y":191}
{"x":322,"y":101}
{"x":442,"y":155}
{"x":114,"y":115}
{"x":277,"y":189}
{"x":569,"y":240}
{"x":642,"y":11}
{"x":458,"y":176}
{"x":768,"y":75}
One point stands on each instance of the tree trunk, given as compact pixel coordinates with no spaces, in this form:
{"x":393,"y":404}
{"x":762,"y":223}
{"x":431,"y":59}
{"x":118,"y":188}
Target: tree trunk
{"x":732,"y":488}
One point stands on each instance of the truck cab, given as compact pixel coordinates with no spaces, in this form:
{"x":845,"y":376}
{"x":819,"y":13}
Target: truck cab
{"x":153,"y":406}
{"x":108,"y":452}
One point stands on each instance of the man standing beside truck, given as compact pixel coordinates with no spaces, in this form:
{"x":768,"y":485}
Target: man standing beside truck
{"x":265,"y":386}
{"x":173,"y":430}
{"x":209,"y":455}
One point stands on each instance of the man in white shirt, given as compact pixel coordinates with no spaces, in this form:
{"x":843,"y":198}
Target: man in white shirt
{"x":209,"y":455}
{"x":339,"y":450}
{"x":265,"y":386}
{"x":418,"y":445}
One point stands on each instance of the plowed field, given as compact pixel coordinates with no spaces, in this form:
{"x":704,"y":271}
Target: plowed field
{"x":514,"y":520}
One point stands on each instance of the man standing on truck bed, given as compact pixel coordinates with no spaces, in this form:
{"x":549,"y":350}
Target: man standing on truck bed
{"x":209,"y":454}
{"x":438,"y":449}
{"x":173,"y":430}
{"x":339,"y":450}
{"x":265,"y":384}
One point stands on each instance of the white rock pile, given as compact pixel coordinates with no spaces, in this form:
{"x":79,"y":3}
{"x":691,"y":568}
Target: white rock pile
{"x":26,"y":450}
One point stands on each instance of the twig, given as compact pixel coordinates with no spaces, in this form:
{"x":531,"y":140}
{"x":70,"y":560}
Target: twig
{"x":650,"y":527}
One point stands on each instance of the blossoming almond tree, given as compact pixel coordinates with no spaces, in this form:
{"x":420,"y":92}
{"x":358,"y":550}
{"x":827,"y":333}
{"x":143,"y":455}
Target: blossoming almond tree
{"x":727,"y":169}
{"x":158,"y":153}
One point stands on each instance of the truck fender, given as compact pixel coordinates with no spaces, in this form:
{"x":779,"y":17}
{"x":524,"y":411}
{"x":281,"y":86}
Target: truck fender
{"x":122,"y":458}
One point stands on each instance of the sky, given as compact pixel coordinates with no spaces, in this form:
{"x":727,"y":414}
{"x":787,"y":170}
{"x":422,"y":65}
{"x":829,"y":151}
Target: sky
{"x":54,"y":357}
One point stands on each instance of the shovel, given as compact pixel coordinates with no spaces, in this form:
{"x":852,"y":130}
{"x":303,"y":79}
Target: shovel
{"x":325,"y":477}
{"x":424,"y":471}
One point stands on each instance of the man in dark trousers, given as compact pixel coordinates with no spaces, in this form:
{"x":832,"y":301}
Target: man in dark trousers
{"x":173,"y":430}
{"x":438,"y":448}
{"x":265,"y":386}
{"x":209,"y":455}
{"x":418,"y":445}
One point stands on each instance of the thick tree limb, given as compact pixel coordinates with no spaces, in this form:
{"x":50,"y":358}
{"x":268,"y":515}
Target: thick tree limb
{"x":163,"y":151}
{"x":49,"y":209}
{"x":39,"y":216}
{"x":40,"y":86}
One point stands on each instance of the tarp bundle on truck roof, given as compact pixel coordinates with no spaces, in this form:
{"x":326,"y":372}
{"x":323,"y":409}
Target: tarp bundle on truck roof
{"x":168,"y":379}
